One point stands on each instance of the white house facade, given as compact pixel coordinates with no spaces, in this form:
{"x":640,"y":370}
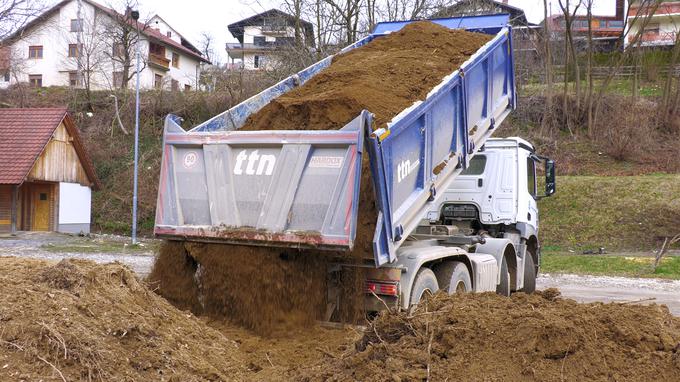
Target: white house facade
{"x":260,"y":36}
{"x":662,"y":27}
{"x":76,"y":43}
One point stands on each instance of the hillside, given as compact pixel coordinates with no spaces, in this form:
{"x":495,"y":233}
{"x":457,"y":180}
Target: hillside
{"x":611,"y":200}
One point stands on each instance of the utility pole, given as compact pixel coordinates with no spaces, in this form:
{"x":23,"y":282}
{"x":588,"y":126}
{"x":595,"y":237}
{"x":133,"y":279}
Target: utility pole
{"x":135,"y":17}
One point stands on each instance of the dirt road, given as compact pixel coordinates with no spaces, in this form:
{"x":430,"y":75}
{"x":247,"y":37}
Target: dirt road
{"x":586,"y":288}
{"x":99,"y":248}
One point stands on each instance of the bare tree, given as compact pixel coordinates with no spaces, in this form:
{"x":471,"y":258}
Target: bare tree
{"x":570,"y":52}
{"x":547,"y":37}
{"x":347,"y":17}
{"x":647,"y":8}
{"x":124,"y":33}
{"x":15,"y":14}
{"x":589,"y":67}
{"x":207,"y":47}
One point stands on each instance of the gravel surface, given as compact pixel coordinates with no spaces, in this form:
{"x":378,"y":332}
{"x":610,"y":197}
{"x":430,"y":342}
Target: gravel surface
{"x":585,"y":288}
{"x":56,"y":246}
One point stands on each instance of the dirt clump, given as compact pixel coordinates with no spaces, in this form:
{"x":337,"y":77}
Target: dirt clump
{"x":77,"y":320}
{"x":539,"y":337}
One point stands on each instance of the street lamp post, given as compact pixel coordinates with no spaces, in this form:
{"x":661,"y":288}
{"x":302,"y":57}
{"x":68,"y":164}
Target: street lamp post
{"x":135,"y":17}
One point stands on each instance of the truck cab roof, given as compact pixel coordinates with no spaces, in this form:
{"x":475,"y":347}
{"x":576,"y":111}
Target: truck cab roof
{"x":509,"y":142}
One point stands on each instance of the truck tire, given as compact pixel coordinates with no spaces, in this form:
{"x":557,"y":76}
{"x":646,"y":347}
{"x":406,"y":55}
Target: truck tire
{"x":529,"y":274}
{"x":504,"y":287}
{"x":453,"y":277}
{"x":425,"y":282}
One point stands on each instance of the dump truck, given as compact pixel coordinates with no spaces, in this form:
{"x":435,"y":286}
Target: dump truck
{"x":456,"y":209}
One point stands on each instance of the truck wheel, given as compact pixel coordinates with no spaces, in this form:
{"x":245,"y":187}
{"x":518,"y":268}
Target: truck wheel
{"x":529,"y":274}
{"x":424,"y":283}
{"x":453,"y":277}
{"x":504,"y":287}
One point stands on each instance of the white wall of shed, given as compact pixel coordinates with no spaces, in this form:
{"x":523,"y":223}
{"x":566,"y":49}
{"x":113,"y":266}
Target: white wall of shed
{"x":75,"y":203}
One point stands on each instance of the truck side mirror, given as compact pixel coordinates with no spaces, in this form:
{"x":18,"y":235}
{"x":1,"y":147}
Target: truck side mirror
{"x":549,"y":177}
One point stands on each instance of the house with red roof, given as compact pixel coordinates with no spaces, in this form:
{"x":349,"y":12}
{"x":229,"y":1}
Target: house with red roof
{"x":80,"y":43}
{"x":46,"y":175}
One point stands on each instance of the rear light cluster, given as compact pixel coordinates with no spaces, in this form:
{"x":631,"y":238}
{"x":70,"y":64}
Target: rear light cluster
{"x":383,"y":288}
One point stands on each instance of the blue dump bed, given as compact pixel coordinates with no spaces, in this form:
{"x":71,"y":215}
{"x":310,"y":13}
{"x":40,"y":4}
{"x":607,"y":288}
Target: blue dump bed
{"x":301,"y":188}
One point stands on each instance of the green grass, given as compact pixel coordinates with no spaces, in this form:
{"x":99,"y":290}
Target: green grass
{"x":616,"y":212}
{"x":621,"y":86}
{"x":610,"y":265}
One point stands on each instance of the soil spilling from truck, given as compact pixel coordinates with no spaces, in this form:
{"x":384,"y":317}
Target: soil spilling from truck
{"x":77,"y":320}
{"x":262,"y":287}
{"x":538,"y":337}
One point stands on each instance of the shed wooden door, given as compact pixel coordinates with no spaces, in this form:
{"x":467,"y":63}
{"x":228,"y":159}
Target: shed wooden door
{"x":41,"y":207}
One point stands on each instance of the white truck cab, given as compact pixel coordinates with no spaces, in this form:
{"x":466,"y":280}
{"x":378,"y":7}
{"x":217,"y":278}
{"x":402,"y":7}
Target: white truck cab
{"x":481,"y":236}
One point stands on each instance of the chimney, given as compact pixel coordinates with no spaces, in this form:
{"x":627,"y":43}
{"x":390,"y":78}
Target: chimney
{"x":619,"y":9}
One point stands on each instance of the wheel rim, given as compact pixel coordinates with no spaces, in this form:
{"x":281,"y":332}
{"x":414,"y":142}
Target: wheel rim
{"x":460,"y":287}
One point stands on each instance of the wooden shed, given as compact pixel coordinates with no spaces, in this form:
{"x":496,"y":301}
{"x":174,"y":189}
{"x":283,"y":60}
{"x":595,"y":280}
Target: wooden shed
{"x":46,"y":176}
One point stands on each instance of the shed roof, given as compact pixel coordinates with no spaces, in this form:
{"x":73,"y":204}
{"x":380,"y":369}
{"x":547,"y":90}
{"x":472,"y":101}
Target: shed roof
{"x":24,"y":133}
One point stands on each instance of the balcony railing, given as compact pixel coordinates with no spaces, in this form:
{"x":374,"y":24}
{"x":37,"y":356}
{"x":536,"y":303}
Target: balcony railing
{"x":274,"y":28}
{"x":159,"y":61}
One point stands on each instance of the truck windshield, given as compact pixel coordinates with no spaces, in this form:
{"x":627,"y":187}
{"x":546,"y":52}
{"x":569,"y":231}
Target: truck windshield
{"x":476,"y":166}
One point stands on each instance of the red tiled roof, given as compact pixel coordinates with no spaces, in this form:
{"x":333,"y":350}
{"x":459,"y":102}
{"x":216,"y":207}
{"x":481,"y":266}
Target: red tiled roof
{"x":24,"y":133}
{"x":23,"y":136}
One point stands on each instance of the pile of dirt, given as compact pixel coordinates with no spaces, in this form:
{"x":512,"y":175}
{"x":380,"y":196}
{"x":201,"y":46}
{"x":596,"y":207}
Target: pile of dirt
{"x":262,"y":288}
{"x":384,"y":77}
{"x":77,"y":320}
{"x":540,"y":337}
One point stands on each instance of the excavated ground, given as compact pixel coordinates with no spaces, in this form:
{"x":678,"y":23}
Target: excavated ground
{"x":486,"y":337}
{"x":262,"y":288}
{"x":80,"y":321}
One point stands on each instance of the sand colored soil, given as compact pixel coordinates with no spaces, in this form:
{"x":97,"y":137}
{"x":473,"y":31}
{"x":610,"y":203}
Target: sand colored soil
{"x":384,"y":77}
{"x":536,"y":337}
{"x":77,"y":320}
{"x":262,"y":288}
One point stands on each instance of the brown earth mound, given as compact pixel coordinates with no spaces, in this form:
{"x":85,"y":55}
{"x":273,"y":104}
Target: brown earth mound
{"x":77,"y":320}
{"x":536,"y":337}
{"x":260,"y":287}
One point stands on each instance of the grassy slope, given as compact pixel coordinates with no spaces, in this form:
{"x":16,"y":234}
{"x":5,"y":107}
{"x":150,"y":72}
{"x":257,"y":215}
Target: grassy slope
{"x":628,"y":212}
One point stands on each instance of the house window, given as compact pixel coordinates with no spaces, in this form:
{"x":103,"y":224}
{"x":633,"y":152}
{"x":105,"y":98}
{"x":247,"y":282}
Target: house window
{"x":118,"y":50}
{"x":168,"y":33}
{"x":175,"y":60}
{"x":259,"y":40}
{"x":174,"y":85}
{"x":256,"y":62}
{"x":74,"y":79}
{"x":157,"y":49}
{"x":73,"y":50}
{"x":652,"y":28}
{"x":35,"y":51}
{"x":118,"y":79}
{"x":5,"y":77}
{"x":76,"y":25}
{"x":157,"y":81}
{"x":35,"y":80}
{"x":615,"y":24}
{"x":187,"y":88}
